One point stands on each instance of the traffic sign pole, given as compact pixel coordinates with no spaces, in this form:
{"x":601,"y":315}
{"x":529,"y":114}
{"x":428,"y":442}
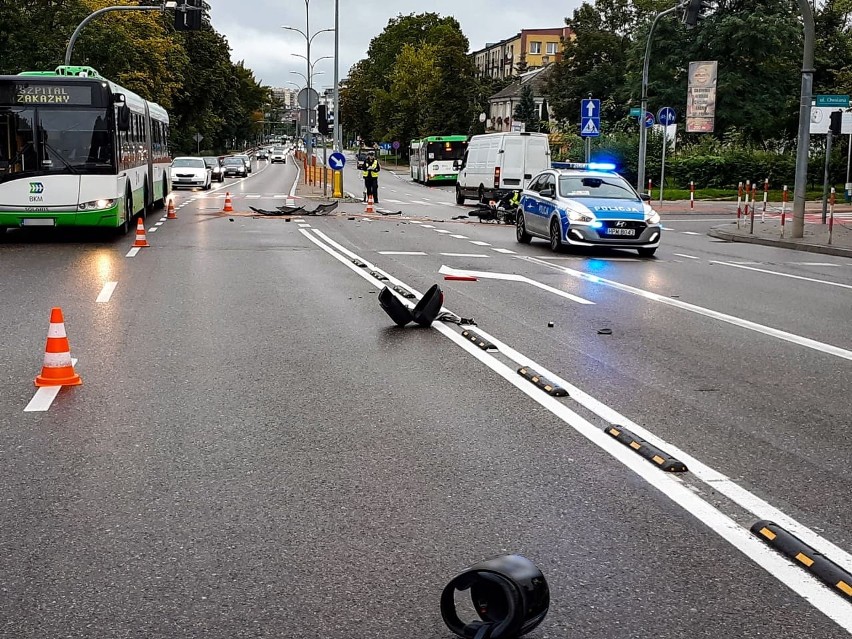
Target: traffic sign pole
{"x":666,"y":116}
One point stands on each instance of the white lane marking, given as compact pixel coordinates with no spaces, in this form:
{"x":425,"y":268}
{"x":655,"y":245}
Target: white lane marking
{"x":459,"y":237}
{"x":794,"y":277}
{"x":44,"y":396}
{"x":401,"y":253}
{"x":691,"y":257}
{"x":814,"y":264}
{"x":304,"y":225}
{"x":800,"y":582}
{"x":442,"y":231}
{"x":464,"y":255}
{"x":703,"y":219}
{"x":512,"y":277}
{"x":690,"y":233}
{"x":700,"y":310}
{"x":160,"y":223}
{"x":416,"y":221}
{"x":747,"y":263}
{"x":153,"y":229}
{"x":667,"y":228}
{"x":298,"y":219}
{"x":505,"y":251}
{"x":132,"y":252}
{"x":427,"y":226}
{"x":479,"y":243}
{"x":253,"y":197}
{"x":713,"y":478}
{"x":420,"y":202}
{"x":163,"y":219}
{"x":394,"y":201}
{"x":106,"y":292}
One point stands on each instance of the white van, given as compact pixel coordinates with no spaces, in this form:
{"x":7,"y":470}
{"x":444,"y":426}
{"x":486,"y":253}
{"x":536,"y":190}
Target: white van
{"x":496,"y":163}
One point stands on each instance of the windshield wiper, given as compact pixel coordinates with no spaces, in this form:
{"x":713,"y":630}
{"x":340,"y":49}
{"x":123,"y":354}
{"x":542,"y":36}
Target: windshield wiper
{"x":61,"y":159}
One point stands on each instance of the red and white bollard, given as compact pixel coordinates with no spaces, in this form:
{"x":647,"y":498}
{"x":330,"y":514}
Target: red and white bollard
{"x":739,"y":202}
{"x":692,"y":194}
{"x":753,"y":207}
{"x":783,"y":209}
{"x":747,"y":189}
{"x":650,"y":184}
{"x":831,"y":214}
{"x":765,"y":198}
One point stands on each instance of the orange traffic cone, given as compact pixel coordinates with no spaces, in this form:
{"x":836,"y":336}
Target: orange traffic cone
{"x":141,"y":238}
{"x":171,"y":214}
{"x":58,"y":370}
{"x":228,"y":208}
{"x":369,"y":208}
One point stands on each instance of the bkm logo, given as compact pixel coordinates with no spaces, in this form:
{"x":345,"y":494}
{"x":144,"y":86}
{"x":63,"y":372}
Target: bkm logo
{"x":36,"y":187}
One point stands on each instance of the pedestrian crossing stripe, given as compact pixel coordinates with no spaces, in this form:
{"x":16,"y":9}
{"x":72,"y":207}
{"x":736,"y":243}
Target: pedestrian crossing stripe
{"x":590,"y":128}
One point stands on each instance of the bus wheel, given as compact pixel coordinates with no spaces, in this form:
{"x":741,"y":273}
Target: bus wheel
{"x":459,"y":195}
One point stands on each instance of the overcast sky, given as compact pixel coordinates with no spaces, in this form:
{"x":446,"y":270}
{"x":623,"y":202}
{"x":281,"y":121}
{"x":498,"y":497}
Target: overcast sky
{"x":253,"y":29}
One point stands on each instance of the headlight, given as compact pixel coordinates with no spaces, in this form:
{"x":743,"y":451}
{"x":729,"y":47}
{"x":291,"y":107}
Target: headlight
{"x":654,"y":218}
{"x":576,"y":216}
{"x":96,"y":205}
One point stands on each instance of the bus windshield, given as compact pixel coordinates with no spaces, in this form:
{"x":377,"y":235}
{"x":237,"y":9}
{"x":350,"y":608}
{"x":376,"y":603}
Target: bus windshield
{"x":41,"y":140}
{"x":445,"y":150}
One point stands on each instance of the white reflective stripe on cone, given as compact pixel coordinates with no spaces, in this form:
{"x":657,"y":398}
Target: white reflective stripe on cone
{"x":57,"y":360}
{"x":56,"y":330}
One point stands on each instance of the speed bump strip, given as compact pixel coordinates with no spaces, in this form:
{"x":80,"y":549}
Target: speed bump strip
{"x":379,"y":276}
{"x":543,"y":383}
{"x":404,"y":292}
{"x":480,"y":341}
{"x":820,"y":566}
{"x":662,"y":460}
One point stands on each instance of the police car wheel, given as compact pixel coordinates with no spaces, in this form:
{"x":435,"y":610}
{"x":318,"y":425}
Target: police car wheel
{"x":521,"y":230}
{"x":555,"y":235}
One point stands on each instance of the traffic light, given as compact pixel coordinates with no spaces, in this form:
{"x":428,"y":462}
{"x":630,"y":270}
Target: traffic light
{"x":322,"y":119}
{"x":836,"y":122}
{"x":693,"y":11}
{"x":188,"y":14}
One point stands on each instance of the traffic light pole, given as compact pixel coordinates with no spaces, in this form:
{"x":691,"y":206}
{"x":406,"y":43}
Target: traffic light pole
{"x":97,"y":13}
{"x":828,"y":138}
{"x":800,"y":183}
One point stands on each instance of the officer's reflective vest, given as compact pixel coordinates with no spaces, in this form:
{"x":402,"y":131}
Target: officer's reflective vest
{"x":371,"y":169}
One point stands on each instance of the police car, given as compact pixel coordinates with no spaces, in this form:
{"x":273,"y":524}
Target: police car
{"x":587,"y":205}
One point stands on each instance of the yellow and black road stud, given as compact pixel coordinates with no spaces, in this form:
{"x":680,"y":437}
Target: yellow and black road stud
{"x":477,"y":339}
{"x":662,"y":460}
{"x":820,"y":566}
{"x":543,"y":383}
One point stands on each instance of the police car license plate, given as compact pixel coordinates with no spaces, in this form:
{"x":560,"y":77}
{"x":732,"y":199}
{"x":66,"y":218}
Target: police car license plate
{"x":617,"y":231}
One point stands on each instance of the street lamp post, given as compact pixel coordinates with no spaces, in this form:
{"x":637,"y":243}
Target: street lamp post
{"x":308,"y":39}
{"x":338,"y":134}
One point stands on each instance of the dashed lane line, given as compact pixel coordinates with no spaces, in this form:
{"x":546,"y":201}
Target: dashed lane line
{"x":106,"y":292}
{"x":44,"y":396}
{"x":794,"y":277}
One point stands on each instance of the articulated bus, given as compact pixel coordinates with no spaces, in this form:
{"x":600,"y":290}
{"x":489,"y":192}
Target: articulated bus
{"x":432,"y":159}
{"x":79,"y":150}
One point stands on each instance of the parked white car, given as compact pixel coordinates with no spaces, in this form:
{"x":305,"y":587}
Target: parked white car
{"x":190,"y":172}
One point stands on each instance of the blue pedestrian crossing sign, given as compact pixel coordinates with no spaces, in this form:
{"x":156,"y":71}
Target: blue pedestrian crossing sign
{"x":336,"y":161}
{"x":590,"y":118}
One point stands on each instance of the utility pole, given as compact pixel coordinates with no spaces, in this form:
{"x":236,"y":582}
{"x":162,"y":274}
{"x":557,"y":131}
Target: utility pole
{"x":804,"y":143}
{"x":338,"y":134}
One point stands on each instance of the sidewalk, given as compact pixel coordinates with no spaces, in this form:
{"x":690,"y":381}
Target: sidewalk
{"x":815,"y":238}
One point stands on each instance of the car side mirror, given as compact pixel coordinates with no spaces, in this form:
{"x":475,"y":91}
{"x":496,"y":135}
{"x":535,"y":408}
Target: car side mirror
{"x":456,"y":165}
{"x":548,"y":192}
{"x":124,"y":118}
{"x":646,"y":197}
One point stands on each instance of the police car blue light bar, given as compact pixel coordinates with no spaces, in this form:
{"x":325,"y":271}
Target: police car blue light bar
{"x":584,"y":166}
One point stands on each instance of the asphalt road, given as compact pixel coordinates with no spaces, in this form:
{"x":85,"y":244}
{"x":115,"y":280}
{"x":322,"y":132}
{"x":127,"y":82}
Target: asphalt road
{"x":256,"y":451}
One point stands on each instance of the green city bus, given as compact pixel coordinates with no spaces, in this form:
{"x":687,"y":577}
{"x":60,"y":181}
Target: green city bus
{"x":434,"y":158}
{"x":79,"y":150}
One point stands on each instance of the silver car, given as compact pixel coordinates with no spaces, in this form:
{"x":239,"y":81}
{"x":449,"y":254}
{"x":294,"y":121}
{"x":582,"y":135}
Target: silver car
{"x":587,"y":205}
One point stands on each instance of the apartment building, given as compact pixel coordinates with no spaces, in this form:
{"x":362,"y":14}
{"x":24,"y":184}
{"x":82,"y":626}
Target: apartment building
{"x":527,"y":50}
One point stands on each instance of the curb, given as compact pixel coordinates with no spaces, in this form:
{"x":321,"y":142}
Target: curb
{"x":796,"y":246}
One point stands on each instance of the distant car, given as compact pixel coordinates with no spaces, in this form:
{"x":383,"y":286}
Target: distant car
{"x":262,"y":154}
{"x":235,"y":165}
{"x":215,"y":166}
{"x":587,"y":205}
{"x":246,"y":159}
{"x":279,"y":154}
{"x":190,"y":172}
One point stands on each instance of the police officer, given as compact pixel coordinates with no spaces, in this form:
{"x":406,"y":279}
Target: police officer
{"x":371,"y":176}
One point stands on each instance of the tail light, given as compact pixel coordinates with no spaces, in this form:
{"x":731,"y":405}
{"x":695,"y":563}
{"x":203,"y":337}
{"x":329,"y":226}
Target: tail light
{"x":496,"y":177}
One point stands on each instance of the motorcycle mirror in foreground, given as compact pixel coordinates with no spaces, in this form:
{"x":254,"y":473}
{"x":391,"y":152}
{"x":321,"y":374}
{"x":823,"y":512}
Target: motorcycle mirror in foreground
{"x":509,"y":594}
{"x":426,"y":311}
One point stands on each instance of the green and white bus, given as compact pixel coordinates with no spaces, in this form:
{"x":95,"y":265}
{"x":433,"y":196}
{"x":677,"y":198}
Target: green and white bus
{"x":79,"y":150}
{"x":433,"y":158}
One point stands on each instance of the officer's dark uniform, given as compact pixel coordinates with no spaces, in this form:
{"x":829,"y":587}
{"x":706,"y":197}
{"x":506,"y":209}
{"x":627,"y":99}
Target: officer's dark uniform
{"x":371,"y":177}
